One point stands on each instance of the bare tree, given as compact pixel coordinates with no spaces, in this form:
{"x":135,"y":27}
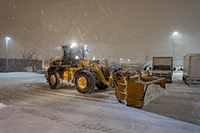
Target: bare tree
{"x":30,"y":55}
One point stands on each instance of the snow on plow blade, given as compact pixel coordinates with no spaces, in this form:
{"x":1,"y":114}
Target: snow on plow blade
{"x":138,"y":91}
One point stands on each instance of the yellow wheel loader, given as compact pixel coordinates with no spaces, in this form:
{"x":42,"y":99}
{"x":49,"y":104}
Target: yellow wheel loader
{"x":134,"y":91}
{"x":84,"y":74}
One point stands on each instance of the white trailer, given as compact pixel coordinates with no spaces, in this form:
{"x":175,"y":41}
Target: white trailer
{"x":191,"y":70}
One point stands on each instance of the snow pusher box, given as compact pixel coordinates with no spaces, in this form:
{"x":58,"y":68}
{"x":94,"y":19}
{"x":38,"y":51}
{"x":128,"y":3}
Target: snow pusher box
{"x":139,"y":90}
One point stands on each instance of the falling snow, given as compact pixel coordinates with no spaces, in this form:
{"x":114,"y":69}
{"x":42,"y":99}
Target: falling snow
{"x":147,"y":26}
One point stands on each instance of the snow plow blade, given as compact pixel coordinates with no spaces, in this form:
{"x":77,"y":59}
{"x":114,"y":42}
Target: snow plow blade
{"x":138,"y":91}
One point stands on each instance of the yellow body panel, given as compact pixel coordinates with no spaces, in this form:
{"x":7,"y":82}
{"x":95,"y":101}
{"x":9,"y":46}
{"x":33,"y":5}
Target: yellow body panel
{"x":138,"y":74}
{"x":56,"y":60}
{"x":147,"y":73}
{"x":69,"y":73}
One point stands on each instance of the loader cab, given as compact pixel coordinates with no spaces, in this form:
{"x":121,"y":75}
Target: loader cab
{"x":71,"y":56}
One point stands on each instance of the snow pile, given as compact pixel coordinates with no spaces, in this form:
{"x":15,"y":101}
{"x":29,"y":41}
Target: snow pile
{"x":2,"y":105}
{"x":154,"y":91}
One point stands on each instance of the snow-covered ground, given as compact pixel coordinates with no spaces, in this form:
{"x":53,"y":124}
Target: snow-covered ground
{"x":28,"y":105}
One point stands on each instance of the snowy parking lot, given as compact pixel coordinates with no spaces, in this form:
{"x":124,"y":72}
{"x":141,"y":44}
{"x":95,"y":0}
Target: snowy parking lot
{"x":27,"y":104}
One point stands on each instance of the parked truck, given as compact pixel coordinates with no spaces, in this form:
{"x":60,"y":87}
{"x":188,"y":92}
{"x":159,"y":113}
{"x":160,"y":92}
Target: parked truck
{"x":163,"y":67}
{"x":191,"y":70}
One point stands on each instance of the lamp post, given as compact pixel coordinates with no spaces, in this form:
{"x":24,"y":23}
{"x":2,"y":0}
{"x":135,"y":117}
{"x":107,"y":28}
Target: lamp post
{"x":174,"y":34}
{"x":7,"y":39}
{"x":120,"y":60}
{"x":84,"y":50}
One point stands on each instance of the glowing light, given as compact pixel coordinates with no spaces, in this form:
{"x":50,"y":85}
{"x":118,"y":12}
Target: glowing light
{"x":76,"y":57}
{"x":93,"y":58}
{"x":129,"y":60}
{"x":175,"y":33}
{"x":85,"y":47}
{"x":7,"y":38}
{"x":120,"y":59}
{"x":73,"y":45}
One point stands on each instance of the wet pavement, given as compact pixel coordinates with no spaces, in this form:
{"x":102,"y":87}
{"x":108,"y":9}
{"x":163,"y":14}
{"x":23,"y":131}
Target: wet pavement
{"x":29,"y":105}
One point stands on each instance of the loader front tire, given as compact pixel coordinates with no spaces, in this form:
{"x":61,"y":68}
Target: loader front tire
{"x":85,"y":82}
{"x":54,"y":80}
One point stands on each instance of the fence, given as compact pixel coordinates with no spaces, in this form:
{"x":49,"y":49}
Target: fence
{"x":20,"y":65}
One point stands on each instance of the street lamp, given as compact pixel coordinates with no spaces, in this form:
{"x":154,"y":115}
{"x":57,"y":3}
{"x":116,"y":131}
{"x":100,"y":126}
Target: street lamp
{"x":7,"y":39}
{"x":174,"y":35}
{"x":120,"y":60}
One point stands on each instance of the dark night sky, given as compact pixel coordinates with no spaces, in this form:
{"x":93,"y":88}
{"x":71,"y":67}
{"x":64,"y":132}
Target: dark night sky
{"x":111,"y":28}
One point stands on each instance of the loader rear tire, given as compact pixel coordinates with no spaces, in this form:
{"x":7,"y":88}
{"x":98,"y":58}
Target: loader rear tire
{"x":101,"y":86}
{"x":54,"y":80}
{"x":85,"y":82}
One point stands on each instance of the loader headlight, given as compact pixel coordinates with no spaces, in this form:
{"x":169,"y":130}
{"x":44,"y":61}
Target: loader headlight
{"x":73,"y":45}
{"x":76,"y":57}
